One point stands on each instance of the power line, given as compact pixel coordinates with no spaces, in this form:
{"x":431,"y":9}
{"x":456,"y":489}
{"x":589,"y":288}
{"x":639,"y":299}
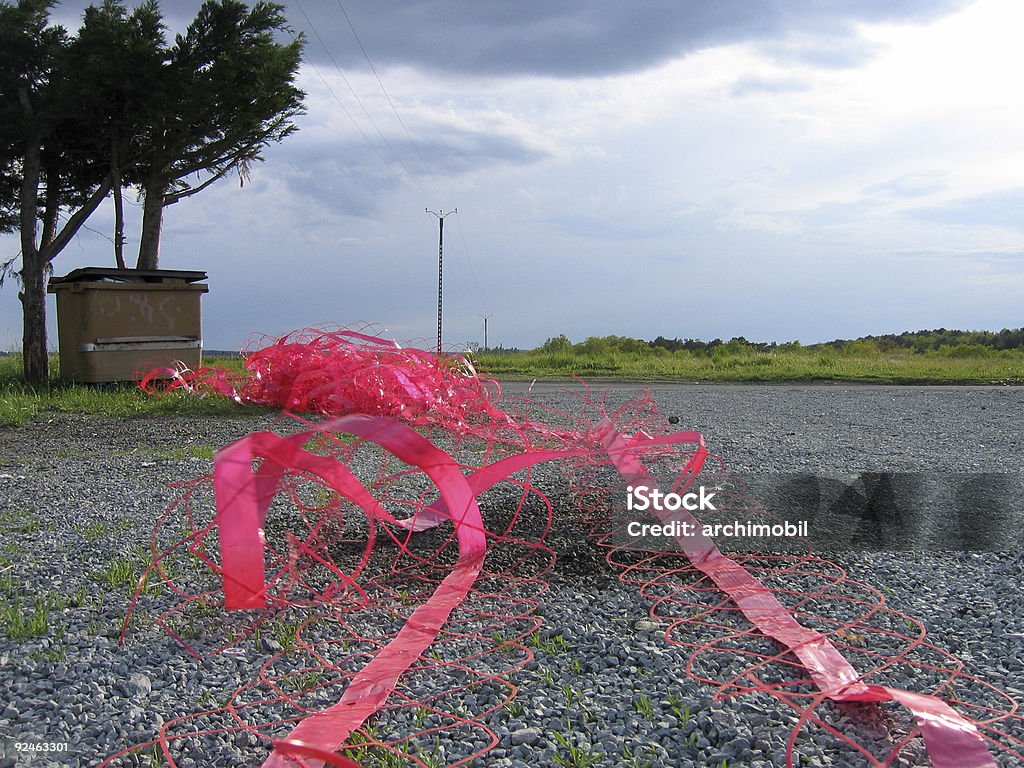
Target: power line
{"x":386,"y":96}
{"x":469,"y":260}
{"x":408,"y":174}
{"x":350,"y":117}
{"x":362,"y":106}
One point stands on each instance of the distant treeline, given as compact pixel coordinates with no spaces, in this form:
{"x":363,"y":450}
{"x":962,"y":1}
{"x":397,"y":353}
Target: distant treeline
{"x":918,"y":341}
{"x":923,"y":341}
{"x":920,"y":357}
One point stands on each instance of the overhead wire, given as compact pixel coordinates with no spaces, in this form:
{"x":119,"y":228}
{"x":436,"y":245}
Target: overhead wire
{"x":462,"y":269}
{"x":469,"y":261}
{"x":383,"y":90}
{"x":408,"y":174}
{"x":350,"y":117}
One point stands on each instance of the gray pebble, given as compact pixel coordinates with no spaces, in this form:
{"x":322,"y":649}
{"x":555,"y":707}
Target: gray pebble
{"x":528,"y":736}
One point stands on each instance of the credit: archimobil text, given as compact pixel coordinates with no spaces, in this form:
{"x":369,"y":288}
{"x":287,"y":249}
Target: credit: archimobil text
{"x":641,"y":498}
{"x":675,"y":529}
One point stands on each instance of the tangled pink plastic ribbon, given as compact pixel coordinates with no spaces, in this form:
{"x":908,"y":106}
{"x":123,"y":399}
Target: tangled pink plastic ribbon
{"x":244,"y":500}
{"x":335,"y":372}
{"x":243,"y":497}
{"x":376,"y":381}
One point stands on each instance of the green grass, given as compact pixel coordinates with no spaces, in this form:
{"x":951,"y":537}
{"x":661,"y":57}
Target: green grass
{"x":375,"y":757}
{"x":615,"y":357}
{"x":18,"y":521}
{"x":53,"y":655}
{"x":645,"y":707}
{"x":301,"y":681}
{"x":20,"y":403}
{"x":515,"y":708}
{"x":94,"y":530}
{"x":858,"y":362}
{"x":184,"y":452}
{"x":679,"y":709}
{"x":120,"y":573}
{"x":153,"y":756}
{"x":19,"y":624}
{"x":370,"y":755}
{"x":553,"y":645}
{"x":636,"y":760}
{"x":573,"y":754}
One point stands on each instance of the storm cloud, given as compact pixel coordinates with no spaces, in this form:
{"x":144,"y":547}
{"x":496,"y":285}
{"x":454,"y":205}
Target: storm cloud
{"x":588,"y":37}
{"x":575,"y":38}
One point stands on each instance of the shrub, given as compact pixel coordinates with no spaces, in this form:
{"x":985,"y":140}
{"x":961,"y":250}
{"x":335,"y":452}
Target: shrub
{"x":558,"y":343}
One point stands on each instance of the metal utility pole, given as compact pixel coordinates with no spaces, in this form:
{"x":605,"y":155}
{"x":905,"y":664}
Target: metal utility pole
{"x":440,"y":264}
{"x":485,"y":317}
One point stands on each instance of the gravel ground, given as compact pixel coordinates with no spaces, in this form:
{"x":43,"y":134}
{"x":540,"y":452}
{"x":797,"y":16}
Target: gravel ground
{"x":79,"y":495}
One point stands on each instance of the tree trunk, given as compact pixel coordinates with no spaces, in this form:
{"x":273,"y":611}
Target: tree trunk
{"x":115,"y":180}
{"x":35,"y":359}
{"x":35,"y":260}
{"x":37,"y":252}
{"x":33,"y":309}
{"x":152,"y":223}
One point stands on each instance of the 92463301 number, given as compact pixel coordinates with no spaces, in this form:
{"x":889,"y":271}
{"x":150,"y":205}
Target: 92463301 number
{"x":40,"y":746}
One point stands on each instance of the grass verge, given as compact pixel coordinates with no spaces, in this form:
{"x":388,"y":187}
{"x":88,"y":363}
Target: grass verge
{"x":611,"y":357}
{"x":742,"y":364}
{"x":20,"y":403}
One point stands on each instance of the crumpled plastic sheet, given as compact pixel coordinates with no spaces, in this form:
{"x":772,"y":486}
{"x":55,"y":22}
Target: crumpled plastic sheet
{"x":376,"y":382}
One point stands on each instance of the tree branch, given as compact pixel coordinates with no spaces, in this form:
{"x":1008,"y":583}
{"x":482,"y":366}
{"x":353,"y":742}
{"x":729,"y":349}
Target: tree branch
{"x":75,"y":222}
{"x":51,"y":207}
{"x":170,"y":199}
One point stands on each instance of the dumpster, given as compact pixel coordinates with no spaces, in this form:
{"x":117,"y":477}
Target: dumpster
{"x":118,"y":324}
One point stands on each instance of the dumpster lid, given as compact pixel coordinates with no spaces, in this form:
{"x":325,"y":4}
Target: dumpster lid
{"x":96,"y":274}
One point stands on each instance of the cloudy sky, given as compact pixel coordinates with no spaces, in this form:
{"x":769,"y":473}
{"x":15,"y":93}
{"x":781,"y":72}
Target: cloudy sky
{"x":777,"y":169}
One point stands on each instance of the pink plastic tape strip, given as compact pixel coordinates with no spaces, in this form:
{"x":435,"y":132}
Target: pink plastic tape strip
{"x":952,"y":741}
{"x":242,"y":500}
